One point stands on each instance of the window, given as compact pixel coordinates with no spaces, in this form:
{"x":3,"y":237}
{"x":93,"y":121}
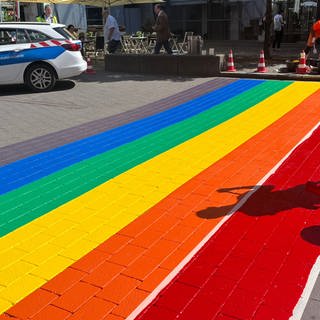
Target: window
{"x":94,"y":16}
{"x":65,"y":33}
{"x":22,"y":36}
{"x":36,"y":36}
{"x":7,"y":36}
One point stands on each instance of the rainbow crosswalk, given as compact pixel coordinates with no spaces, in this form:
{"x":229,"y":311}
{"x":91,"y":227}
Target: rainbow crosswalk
{"x":90,"y":228}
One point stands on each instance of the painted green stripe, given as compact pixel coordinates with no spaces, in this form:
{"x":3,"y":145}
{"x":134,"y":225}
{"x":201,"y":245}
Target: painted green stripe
{"x":31,"y":201}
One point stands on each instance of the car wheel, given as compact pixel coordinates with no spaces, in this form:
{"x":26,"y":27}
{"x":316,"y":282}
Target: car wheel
{"x":40,"y":77}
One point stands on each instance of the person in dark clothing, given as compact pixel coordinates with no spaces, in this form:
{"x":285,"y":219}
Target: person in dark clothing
{"x":161,"y":27}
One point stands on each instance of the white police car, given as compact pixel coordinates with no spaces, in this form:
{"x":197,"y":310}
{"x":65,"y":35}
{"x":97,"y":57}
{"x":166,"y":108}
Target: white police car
{"x":38,"y":54}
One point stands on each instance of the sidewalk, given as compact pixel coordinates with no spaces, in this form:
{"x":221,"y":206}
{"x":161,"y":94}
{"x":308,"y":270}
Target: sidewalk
{"x":246,"y":58}
{"x":251,"y":48}
{"x":192,"y":206}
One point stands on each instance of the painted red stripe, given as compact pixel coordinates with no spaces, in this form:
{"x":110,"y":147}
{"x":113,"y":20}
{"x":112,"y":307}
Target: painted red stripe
{"x":44,"y":44}
{"x":181,"y":204}
{"x":256,"y":266}
{"x":56,"y":42}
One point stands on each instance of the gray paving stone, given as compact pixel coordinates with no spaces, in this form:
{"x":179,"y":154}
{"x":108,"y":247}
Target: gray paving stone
{"x":51,"y":140}
{"x":315,"y":294}
{"x":25,"y":116}
{"x":312,"y":311}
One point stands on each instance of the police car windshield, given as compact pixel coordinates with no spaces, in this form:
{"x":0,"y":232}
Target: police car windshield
{"x":65,"y":33}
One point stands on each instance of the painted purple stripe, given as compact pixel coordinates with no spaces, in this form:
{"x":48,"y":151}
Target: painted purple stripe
{"x":46,"y":142}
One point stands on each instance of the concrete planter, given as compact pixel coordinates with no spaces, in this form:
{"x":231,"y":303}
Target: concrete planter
{"x":174,"y":65}
{"x":159,"y":64}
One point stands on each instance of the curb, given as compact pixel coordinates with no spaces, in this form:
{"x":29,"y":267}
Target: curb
{"x":278,"y":76}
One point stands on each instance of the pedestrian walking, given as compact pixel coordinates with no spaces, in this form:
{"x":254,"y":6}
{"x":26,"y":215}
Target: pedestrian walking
{"x":278,"y":24}
{"x":161,"y":27}
{"x":111,"y":32}
{"x":47,"y":15}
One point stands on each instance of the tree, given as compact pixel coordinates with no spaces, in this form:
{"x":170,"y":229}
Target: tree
{"x":268,"y":22}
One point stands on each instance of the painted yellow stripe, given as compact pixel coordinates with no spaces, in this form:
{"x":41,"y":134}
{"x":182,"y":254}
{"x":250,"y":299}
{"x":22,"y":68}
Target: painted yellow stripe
{"x":43,"y":248}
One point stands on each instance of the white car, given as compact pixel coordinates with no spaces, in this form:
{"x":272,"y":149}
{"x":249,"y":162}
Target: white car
{"x":38,"y":54}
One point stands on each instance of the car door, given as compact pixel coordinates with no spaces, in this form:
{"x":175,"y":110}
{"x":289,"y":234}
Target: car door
{"x":13,"y":43}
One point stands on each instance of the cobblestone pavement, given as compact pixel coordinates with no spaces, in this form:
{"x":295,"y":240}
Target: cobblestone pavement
{"x":130,"y":197}
{"x":24,"y":115}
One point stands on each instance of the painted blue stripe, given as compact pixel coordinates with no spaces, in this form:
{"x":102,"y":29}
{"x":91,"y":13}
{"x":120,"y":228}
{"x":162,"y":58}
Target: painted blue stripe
{"x":30,"y":55}
{"x":24,"y":171}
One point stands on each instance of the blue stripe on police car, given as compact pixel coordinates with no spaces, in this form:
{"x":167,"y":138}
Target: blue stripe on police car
{"x":30,"y":55}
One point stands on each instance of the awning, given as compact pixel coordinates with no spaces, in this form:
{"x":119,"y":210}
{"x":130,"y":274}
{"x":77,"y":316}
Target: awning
{"x":186,"y":2}
{"x":96,"y":3}
{"x":106,"y":3}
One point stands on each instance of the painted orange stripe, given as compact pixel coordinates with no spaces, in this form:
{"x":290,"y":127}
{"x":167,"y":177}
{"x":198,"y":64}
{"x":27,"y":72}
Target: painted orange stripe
{"x":130,"y":264}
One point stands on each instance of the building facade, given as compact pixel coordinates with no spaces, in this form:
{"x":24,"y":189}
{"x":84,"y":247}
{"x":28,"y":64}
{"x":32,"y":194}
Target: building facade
{"x":213,"y":19}
{"x":224,"y":19}
{"x":239,"y":19}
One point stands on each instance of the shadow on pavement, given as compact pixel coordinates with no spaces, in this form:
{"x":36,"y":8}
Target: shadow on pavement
{"x":103,"y":77}
{"x":265,"y":201}
{"x":8,"y":90}
{"x":311,"y":234}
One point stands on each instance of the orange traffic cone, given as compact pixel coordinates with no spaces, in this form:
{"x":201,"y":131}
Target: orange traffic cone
{"x":231,"y":67}
{"x":302,"y":67}
{"x":262,"y":64}
{"x":90,"y":69}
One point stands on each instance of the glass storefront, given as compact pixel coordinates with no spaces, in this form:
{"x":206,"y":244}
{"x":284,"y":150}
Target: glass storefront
{"x":209,"y":19}
{"x":240,"y":19}
{"x":212,"y":19}
{"x":218,"y":20}
{"x":185,"y":18}
{"x":94,"y":15}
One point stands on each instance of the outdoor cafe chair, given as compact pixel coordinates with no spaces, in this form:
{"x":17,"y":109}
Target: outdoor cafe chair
{"x":134,"y":44}
{"x":183,"y":46}
{"x":139,"y":44}
{"x":126,"y":46}
{"x":174,"y":45}
{"x":152,"y":39}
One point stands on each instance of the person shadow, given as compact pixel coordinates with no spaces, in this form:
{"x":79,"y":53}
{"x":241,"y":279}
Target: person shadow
{"x":311,"y":234}
{"x":267,"y":200}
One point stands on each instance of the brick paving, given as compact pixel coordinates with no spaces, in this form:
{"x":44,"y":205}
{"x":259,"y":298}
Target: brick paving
{"x":45,"y":142}
{"x":112,"y":248}
{"x":26,"y":116}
